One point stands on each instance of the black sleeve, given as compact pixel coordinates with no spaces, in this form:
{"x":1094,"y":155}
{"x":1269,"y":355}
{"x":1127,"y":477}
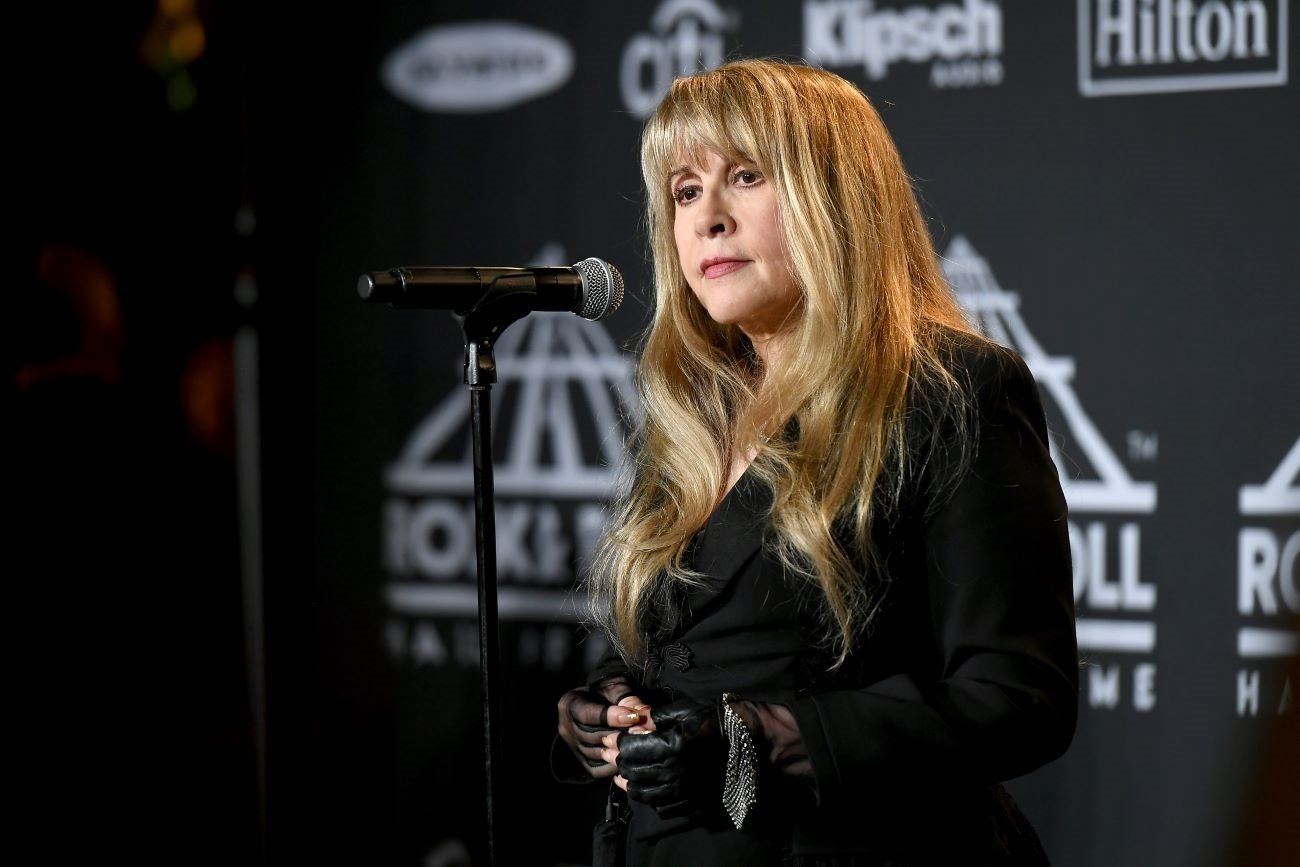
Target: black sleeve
{"x":999,"y":586}
{"x":610,"y":665}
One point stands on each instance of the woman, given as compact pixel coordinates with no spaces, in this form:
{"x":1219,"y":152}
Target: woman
{"x":839,"y":588}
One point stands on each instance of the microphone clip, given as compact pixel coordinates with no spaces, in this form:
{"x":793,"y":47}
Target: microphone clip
{"x":508,"y":301}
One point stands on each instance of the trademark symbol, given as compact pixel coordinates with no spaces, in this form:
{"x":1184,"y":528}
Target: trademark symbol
{"x":1143,"y":446}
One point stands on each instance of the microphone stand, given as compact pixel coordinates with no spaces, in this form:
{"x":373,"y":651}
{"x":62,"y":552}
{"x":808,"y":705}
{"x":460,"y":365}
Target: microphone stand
{"x":482,"y":325}
{"x":513,"y":294}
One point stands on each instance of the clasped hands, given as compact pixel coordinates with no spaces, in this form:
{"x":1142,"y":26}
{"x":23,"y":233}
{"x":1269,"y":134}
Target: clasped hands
{"x":671,"y":757}
{"x":668,"y":757}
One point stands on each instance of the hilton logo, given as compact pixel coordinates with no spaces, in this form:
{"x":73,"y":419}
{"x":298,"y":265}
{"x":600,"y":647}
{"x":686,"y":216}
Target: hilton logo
{"x":1113,"y":611}
{"x":1165,"y":46}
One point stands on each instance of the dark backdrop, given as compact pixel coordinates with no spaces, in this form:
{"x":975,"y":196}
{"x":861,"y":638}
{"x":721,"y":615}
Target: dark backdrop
{"x":1112,"y":185}
{"x":1125,"y":217}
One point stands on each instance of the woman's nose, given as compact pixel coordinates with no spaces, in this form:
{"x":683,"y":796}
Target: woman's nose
{"x":713,"y":218}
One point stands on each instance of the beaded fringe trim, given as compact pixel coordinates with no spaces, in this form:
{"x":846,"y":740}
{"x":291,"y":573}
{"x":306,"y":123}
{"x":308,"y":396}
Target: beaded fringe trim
{"x":740,"y":789}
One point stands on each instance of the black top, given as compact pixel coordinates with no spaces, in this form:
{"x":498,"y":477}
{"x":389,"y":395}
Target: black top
{"x":967,"y":675}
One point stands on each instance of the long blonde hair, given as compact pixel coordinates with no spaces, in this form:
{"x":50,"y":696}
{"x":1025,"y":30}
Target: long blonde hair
{"x":828,"y":424}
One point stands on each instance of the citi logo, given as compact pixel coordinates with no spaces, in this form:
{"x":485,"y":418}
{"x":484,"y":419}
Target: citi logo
{"x":477,"y":66}
{"x":1167,"y":46}
{"x":963,"y":42}
{"x":686,"y":37}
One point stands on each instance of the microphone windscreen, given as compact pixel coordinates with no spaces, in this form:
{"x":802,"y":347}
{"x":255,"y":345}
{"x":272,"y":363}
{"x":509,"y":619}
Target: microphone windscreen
{"x":602,"y":288}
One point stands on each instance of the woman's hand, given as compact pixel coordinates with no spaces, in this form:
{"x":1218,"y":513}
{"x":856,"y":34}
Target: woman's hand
{"x":773,"y":727}
{"x":588,"y":713}
{"x":674,"y":761}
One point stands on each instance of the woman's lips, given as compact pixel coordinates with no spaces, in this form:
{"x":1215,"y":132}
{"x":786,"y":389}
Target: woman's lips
{"x":720,"y":267}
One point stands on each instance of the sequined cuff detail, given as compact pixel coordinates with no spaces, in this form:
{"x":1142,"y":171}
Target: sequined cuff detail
{"x":740,"y":788}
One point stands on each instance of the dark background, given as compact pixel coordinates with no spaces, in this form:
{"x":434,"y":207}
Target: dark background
{"x":1150,"y":238}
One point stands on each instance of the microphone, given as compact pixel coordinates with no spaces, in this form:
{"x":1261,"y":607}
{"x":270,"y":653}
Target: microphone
{"x":592,"y":288}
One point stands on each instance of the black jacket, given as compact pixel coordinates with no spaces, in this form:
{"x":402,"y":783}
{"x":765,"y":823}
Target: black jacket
{"x":967,"y":676}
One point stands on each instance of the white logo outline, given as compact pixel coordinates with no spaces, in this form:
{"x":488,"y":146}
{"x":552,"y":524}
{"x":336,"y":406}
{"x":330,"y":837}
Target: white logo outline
{"x":590,"y":357}
{"x":1279,"y":494}
{"x":541,"y":354}
{"x":962,"y":41}
{"x":997,"y":312}
{"x":481,"y":57}
{"x":677,"y":46}
{"x":1149,"y":84}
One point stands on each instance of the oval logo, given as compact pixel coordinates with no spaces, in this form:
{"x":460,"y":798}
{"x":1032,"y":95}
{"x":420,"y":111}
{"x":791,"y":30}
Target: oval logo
{"x":477,"y":66}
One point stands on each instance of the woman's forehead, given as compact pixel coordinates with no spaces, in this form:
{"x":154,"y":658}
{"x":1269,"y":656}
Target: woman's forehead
{"x":698,"y":154}
{"x":692,"y":157}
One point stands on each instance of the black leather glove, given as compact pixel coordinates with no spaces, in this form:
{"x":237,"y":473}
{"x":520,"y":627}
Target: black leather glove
{"x":678,"y":768}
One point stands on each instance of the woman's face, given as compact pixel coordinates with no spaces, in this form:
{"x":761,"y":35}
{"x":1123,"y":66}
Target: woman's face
{"x":730,"y":245}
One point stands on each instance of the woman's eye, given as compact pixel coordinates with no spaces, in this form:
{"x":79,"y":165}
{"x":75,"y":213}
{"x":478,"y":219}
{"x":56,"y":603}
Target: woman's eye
{"x":747,"y":177}
{"x":686,"y":194}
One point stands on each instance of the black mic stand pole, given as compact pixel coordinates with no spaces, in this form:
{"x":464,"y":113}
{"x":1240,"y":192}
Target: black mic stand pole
{"x":512,"y":295}
{"x":482,"y":326}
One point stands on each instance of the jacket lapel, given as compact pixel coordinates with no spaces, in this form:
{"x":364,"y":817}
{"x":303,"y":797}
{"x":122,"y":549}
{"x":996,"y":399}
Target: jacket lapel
{"x":731,"y":539}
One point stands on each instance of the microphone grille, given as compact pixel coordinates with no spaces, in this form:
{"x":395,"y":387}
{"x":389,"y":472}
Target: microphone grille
{"x":602,"y":288}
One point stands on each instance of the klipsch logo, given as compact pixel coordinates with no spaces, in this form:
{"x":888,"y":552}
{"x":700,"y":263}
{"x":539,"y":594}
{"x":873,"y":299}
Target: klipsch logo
{"x":686,"y":36}
{"x":1268,"y":587}
{"x":962,"y":42}
{"x":1164,"y":46}
{"x":477,"y":66}
{"x":1116,"y":632}
{"x":561,"y":405}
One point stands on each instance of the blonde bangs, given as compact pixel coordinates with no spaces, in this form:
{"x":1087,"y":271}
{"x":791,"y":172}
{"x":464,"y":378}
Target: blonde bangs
{"x":693,"y":118}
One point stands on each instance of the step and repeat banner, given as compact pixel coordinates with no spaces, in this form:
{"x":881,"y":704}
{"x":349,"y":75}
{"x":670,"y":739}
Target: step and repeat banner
{"x":1113,"y":187}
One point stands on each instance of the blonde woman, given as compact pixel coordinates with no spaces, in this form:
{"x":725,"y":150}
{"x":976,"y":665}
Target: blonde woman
{"x":838,"y":589}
